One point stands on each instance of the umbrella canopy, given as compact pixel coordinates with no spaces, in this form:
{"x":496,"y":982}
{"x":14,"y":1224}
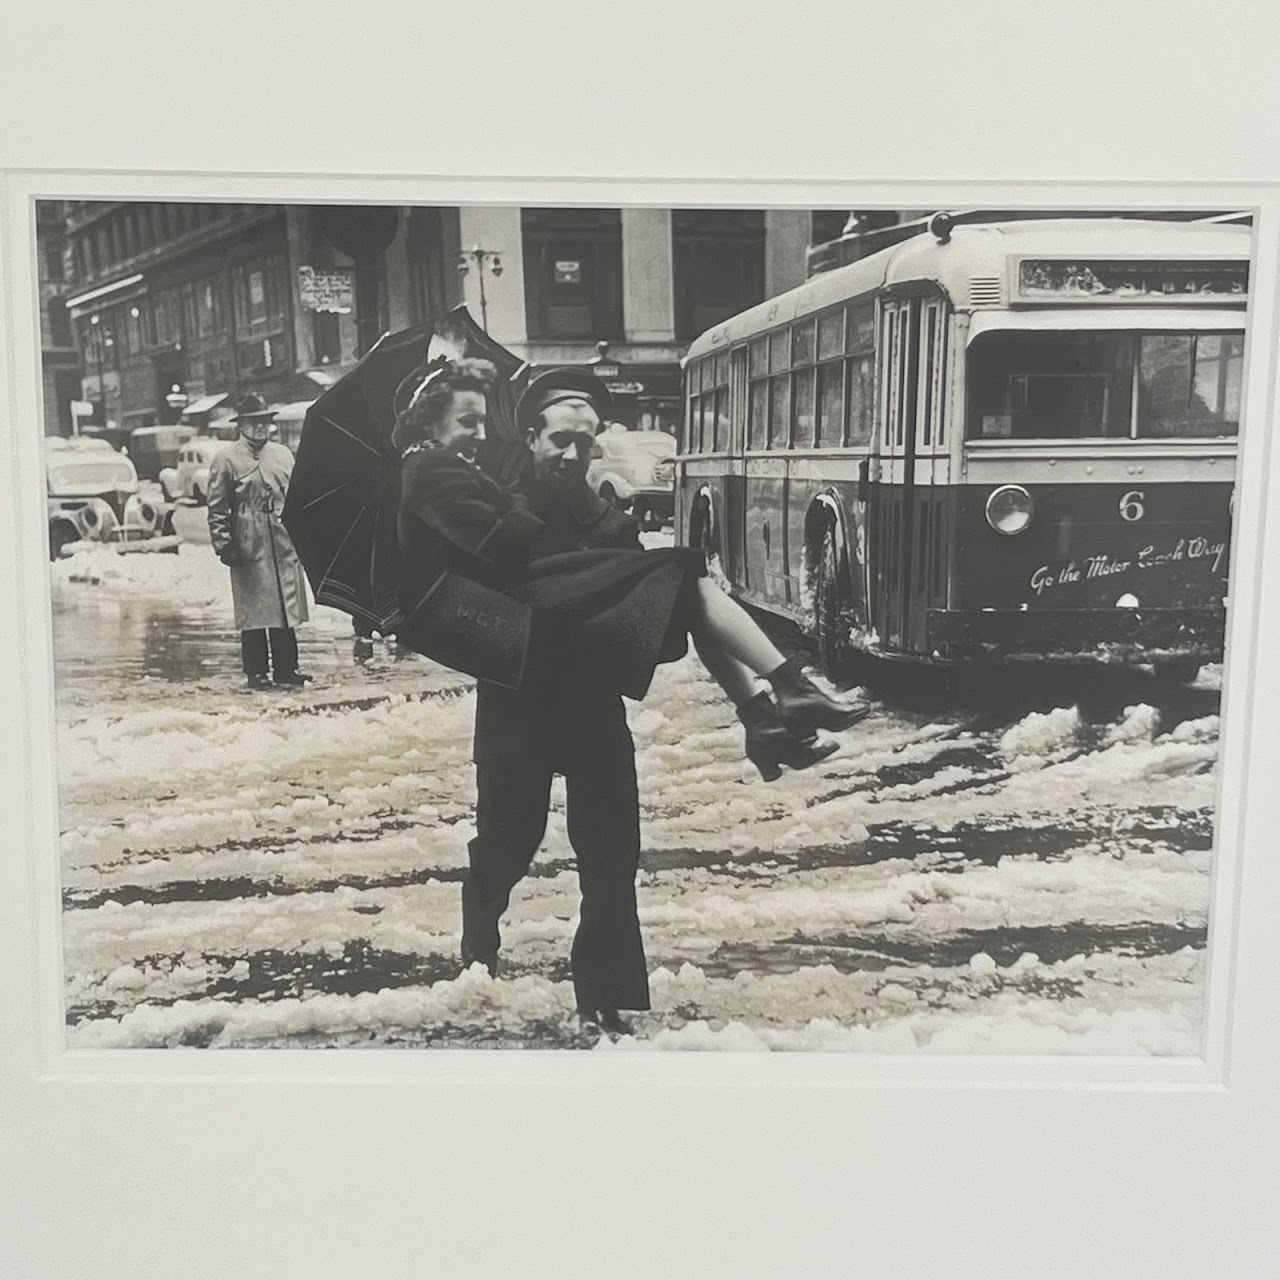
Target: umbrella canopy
{"x":342,"y":501}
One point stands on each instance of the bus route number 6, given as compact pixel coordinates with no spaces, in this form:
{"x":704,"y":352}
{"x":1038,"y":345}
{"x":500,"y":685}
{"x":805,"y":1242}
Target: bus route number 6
{"x":1131,"y":507}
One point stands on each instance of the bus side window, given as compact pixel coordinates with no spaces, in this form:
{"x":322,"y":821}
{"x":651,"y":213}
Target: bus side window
{"x":758,"y":395}
{"x":718,"y":402}
{"x":693,"y":443}
{"x":779,"y":389}
{"x":888,"y":352}
{"x":927,"y":399}
{"x":860,"y":343}
{"x":803,"y":352}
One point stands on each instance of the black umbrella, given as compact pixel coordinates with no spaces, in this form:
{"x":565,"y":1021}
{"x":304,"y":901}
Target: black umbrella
{"x":341,"y":507}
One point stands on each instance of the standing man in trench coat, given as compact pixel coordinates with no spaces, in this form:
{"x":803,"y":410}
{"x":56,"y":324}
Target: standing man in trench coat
{"x":248,"y":481}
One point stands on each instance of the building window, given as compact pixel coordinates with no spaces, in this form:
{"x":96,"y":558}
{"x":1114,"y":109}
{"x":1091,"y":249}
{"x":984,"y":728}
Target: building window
{"x":718,"y":264}
{"x":262,"y":355}
{"x":210,"y":310}
{"x":59,"y":323}
{"x":132,"y":330}
{"x":433,"y":241}
{"x":53,"y":265}
{"x":258,"y":291}
{"x":827,"y":224}
{"x":327,"y":336}
{"x":190,"y":320}
{"x":573,"y":273}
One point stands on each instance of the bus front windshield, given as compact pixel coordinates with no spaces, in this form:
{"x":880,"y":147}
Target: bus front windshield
{"x":1064,"y":385}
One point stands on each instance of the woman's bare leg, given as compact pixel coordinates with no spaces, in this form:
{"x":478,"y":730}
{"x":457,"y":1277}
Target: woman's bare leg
{"x":726,"y":627}
{"x":737,"y":681}
{"x":734,"y":648}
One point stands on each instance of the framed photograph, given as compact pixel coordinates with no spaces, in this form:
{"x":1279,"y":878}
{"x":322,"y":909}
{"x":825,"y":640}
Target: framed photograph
{"x":739,"y":681}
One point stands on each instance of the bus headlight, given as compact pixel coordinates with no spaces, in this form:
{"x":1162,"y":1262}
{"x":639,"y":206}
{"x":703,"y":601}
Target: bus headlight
{"x":1009,"y":509}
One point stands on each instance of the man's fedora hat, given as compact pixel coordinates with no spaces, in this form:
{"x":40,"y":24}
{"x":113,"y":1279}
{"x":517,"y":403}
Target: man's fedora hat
{"x":554,"y":385}
{"x":252,"y":406}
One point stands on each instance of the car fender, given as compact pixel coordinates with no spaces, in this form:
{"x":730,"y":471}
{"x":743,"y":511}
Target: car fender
{"x":621,"y":485}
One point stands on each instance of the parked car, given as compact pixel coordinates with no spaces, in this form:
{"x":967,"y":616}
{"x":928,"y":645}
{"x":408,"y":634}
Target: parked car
{"x":190,"y":478}
{"x":635,"y":469}
{"x":94,"y":497}
{"x":153,"y":449}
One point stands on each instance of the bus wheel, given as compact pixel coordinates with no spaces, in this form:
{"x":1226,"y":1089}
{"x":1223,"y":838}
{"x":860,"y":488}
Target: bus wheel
{"x":826,"y":603}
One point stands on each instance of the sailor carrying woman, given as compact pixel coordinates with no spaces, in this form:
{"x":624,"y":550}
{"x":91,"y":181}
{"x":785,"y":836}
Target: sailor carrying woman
{"x":475,"y":598}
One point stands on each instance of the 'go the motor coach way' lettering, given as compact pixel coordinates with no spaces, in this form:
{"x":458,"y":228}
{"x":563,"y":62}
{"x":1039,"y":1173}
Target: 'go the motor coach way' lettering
{"x":1105,"y":565}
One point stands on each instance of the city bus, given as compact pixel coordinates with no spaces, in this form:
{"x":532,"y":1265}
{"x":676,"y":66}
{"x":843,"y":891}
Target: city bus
{"x":989,"y":443}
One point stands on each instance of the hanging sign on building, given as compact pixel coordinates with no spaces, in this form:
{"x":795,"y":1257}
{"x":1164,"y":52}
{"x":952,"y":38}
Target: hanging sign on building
{"x":568,"y":271}
{"x":332,"y":289}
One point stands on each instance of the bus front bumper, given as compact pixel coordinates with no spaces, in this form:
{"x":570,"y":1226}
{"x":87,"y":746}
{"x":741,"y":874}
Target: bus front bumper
{"x":1119,"y":636}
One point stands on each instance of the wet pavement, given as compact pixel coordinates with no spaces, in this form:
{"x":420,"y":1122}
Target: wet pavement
{"x":106,"y":641}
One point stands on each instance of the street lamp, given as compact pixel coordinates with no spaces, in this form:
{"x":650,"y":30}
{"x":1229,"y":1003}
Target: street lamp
{"x":100,"y":339}
{"x":177,"y":400}
{"x":483,"y":259}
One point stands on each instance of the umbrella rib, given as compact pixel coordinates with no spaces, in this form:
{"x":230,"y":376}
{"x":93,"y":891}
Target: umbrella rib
{"x":337,"y":488}
{"x":364,"y":444}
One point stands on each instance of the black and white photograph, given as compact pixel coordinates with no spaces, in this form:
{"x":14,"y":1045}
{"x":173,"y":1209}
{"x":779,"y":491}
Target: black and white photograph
{"x":498,"y":626}
{"x":638,"y":641}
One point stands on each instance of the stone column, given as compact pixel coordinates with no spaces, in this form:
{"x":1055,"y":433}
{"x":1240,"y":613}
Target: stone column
{"x":648,"y":302}
{"x":786,"y":237}
{"x":396,"y":275}
{"x":497,"y":229}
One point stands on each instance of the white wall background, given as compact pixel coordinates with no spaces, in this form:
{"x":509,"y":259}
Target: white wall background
{"x":274,"y":1166}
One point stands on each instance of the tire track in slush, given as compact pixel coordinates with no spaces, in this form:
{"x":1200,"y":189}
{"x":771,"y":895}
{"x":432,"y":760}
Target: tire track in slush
{"x":958,"y":844}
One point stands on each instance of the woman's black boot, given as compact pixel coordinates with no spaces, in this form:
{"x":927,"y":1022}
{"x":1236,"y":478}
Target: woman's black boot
{"x":804,"y":707}
{"x":770,"y":744}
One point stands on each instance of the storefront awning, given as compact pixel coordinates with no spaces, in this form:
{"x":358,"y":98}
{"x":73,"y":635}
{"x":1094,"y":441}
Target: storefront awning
{"x":327,"y":376}
{"x":294,"y":411}
{"x":204,"y":404}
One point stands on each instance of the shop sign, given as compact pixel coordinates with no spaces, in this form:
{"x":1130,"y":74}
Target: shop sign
{"x":330,"y":290}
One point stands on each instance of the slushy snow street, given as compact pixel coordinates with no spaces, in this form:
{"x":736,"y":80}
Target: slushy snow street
{"x":246,"y":870}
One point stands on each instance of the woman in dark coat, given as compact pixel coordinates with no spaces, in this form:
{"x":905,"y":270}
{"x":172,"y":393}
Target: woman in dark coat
{"x":467,"y":579}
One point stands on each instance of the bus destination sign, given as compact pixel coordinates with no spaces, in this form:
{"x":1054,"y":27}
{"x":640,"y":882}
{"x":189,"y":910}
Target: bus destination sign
{"x":1115,"y":280}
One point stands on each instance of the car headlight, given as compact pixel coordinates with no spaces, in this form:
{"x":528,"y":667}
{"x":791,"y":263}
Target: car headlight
{"x":1009,"y":509}
{"x":139,"y":513}
{"x":96,"y":519}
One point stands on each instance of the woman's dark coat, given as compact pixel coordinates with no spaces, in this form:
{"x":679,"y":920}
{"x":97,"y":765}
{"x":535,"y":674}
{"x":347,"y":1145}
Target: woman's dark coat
{"x":474,"y":601}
